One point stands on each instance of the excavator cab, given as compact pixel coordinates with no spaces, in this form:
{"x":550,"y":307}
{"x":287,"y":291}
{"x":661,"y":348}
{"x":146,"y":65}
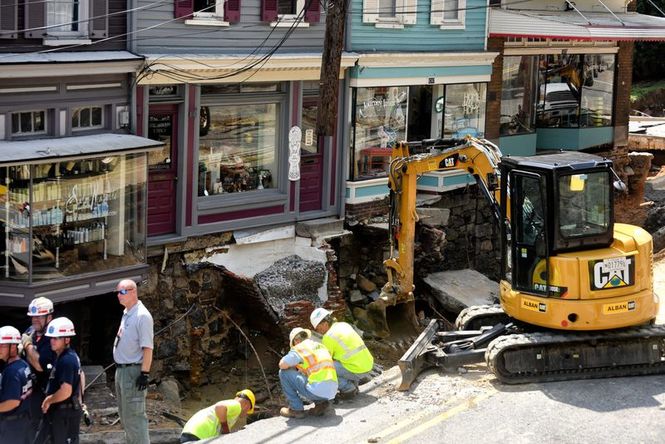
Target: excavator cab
{"x":559,"y":203}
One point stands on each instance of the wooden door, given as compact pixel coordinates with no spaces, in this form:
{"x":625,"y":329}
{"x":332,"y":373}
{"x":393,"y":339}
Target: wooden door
{"x":162,"y":170}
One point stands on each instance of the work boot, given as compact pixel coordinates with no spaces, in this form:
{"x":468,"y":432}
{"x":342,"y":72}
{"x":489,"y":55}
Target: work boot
{"x":288,"y":412}
{"x":348,"y":395}
{"x":320,"y":408}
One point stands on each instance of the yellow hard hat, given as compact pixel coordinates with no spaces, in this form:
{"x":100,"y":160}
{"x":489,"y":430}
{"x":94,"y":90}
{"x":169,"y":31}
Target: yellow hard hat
{"x":295,"y":332}
{"x":248,"y":395}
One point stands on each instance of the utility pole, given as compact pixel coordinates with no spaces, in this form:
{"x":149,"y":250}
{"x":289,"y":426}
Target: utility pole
{"x":333,"y":44}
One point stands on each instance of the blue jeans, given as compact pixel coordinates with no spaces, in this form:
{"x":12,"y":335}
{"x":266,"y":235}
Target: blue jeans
{"x":294,"y":386}
{"x":347,"y":381}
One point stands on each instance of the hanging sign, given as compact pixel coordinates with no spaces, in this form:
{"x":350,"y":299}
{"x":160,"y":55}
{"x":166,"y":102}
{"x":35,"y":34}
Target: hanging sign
{"x":295,"y":135}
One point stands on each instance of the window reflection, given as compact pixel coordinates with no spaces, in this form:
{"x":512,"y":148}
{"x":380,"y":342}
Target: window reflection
{"x":464,"y":110}
{"x":518,"y":95}
{"x":238,"y":148}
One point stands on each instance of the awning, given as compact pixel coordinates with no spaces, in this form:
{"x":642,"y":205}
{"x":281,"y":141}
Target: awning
{"x":82,"y":63}
{"x":575,"y":25}
{"x":50,"y":150}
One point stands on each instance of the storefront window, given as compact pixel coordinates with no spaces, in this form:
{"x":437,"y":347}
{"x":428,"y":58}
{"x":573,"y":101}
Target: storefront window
{"x":464,"y":112}
{"x":380,"y":122}
{"x":72,"y":217}
{"x":597,"y":90}
{"x":238,"y":148}
{"x":560,"y":91}
{"x":518,"y":95}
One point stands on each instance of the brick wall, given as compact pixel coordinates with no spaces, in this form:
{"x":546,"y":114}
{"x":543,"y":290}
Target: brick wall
{"x":493,"y":110}
{"x":363,"y":211}
{"x":624,"y":81}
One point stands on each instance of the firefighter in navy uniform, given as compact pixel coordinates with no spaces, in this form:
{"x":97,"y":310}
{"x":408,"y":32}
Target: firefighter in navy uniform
{"x":15,"y":390}
{"x":62,"y":406}
{"x":38,"y":353}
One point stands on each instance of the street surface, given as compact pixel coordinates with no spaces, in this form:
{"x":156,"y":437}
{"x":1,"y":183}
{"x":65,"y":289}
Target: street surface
{"x":472,"y":407}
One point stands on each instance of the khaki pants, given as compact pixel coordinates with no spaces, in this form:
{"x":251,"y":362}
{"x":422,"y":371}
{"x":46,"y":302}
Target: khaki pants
{"x":131,"y":405}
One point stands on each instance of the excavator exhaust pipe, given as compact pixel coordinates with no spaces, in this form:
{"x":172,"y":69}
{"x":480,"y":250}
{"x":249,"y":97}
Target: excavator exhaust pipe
{"x":388,"y":316}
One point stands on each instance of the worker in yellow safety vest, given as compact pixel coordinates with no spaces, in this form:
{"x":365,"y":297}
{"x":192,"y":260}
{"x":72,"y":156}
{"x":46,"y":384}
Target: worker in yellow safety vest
{"x":224,"y":417}
{"x":306,"y":372}
{"x":353,"y":361}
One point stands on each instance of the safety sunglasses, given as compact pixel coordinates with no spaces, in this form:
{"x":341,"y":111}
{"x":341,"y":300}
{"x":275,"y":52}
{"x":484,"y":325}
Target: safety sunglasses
{"x":123,"y":291}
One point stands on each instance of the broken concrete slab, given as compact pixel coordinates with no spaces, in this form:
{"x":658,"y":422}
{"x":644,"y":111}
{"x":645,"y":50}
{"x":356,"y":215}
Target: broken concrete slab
{"x":320,"y":227}
{"x":292,"y":279}
{"x":243,"y":237}
{"x":459,"y":289}
{"x":433,"y":217}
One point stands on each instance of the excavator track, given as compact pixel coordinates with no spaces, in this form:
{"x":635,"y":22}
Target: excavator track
{"x":477,"y":316}
{"x":551,"y":356}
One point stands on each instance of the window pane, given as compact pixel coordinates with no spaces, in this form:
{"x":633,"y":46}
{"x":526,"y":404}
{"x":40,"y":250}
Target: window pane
{"x":559,"y":95}
{"x":96,"y":117}
{"x":420,"y":112}
{"x":204,"y":6}
{"x":76,"y":121}
{"x":597,"y":90}
{"x":450,"y":9}
{"x":464,"y":110}
{"x":584,"y":204}
{"x":85,"y":117}
{"x":238,"y":150}
{"x":16,"y":126}
{"x":63,"y":13}
{"x":39,"y":121}
{"x":380,"y":122}
{"x":309,"y":143}
{"x":160,"y":127}
{"x":26,"y":122}
{"x":518,"y":95}
{"x":387,"y":8}
{"x":286,"y":7}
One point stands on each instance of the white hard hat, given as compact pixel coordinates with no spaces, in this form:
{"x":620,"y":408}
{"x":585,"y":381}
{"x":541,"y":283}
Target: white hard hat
{"x":60,"y":328}
{"x":318,"y":315}
{"x":295,"y":332}
{"x":9,"y":335}
{"x":40,"y":307}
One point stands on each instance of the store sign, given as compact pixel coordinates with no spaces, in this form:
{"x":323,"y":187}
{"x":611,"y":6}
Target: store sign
{"x":295,"y":136}
{"x":471,"y":102}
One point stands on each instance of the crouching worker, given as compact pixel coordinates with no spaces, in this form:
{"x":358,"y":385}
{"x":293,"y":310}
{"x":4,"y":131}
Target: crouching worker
{"x":353,"y":361}
{"x":224,"y":417}
{"x":308,"y":372}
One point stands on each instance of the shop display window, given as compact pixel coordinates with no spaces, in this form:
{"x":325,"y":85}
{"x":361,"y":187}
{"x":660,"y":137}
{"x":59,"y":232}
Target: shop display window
{"x":518,"y":95}
{"x":464,"y":111}
{"x":380,"y":122}
{"x":238,"y":148}
{"x":597,"y":90}
{"x":72,"y":217}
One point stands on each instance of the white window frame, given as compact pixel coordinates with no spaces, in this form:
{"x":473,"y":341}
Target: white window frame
{"x":437,"y":15}
{"x":211,"y":17}
{"x":83,"y":22}
{"x":405,"y":14}
{"x":91,"y":126}
{"x":287,"y":20}
{"x":28,"y":133}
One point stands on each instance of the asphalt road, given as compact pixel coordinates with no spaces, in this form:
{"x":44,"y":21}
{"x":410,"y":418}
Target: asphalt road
{"x":474,"y":408}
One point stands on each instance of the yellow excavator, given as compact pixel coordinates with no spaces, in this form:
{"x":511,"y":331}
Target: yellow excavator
{"x":576,"y":289}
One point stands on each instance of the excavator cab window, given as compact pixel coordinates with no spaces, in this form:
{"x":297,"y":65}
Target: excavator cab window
{"x":529,"y":230}
{"x":584,"y":204}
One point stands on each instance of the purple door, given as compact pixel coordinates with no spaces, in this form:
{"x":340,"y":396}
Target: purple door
{"x":311,"y":159}
{"x":162,"y":168}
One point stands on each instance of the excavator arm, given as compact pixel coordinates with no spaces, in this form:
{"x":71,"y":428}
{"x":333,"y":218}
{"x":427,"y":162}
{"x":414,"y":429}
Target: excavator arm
{"x":409,"y":161}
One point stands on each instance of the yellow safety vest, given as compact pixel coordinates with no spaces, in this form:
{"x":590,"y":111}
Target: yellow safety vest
{"x":205,"y":423}
{"x":317,"y":364}
{"x":347,"y":347}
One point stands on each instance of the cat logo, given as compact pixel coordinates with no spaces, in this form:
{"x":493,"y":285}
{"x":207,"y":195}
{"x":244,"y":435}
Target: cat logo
{"x":449,"y":162}
{"x":612,"y":273}
{"x":532,"y":305}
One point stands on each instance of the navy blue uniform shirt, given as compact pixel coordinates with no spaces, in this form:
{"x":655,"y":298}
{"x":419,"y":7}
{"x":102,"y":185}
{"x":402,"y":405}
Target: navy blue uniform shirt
{"x":67,"y":369}
{"x":16,"y":384}
{"x":46,"y":357}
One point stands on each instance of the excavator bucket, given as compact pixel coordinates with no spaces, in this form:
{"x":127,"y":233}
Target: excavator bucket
{"x":392,"y":318}
{"x":413,"y":361}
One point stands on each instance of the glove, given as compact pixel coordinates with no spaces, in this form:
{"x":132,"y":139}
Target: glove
{"x":25,"y":340}
{"x":142,"y":381}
